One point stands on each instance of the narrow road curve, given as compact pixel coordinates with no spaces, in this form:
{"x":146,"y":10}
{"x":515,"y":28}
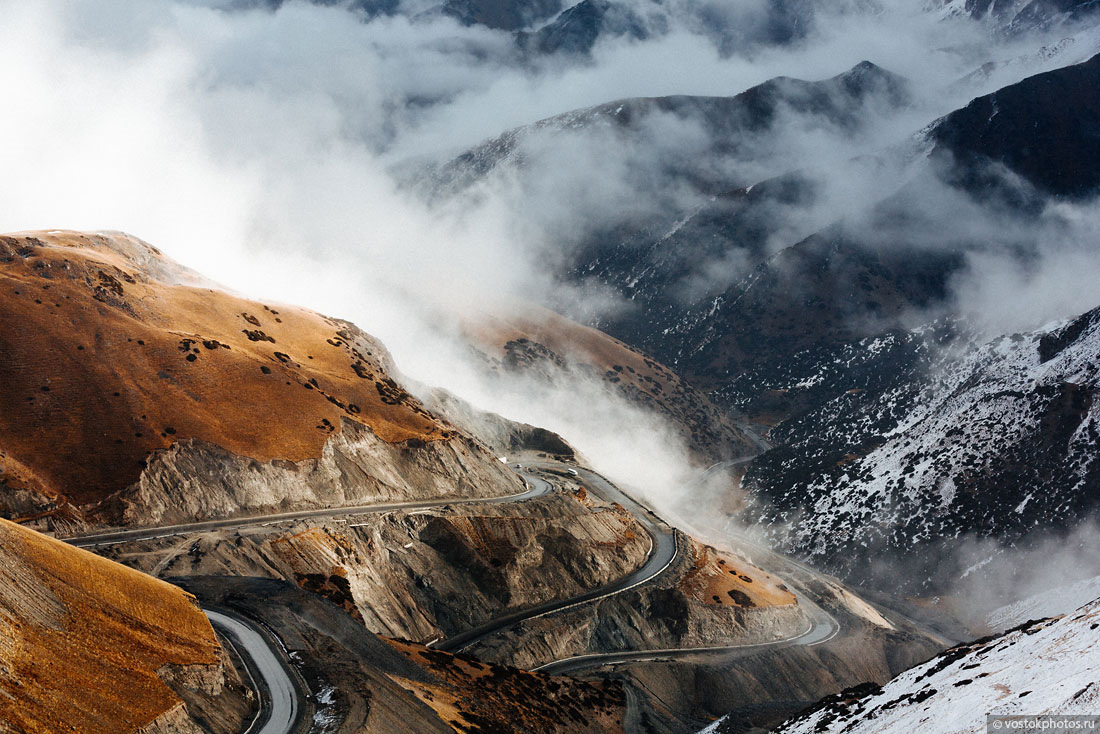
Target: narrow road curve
{"x":662,"y":553}
{"x":536,"y":487}
{"x":278,"y":695}
{"x":821,"y":628}
{"x":275,"y":685}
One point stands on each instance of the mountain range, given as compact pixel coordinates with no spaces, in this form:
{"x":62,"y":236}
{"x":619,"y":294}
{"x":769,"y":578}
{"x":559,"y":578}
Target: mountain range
{"x":860,"y":304}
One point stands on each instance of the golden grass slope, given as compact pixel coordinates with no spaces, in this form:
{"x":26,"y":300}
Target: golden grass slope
{"x":82,"y":639}
{"x":104,"y":359}
{"x":726,"y":579}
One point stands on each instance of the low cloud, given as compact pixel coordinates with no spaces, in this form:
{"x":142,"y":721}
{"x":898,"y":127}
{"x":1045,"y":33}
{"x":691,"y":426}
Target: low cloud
{"x":1047,"y":566}
{"x":258,"y":145}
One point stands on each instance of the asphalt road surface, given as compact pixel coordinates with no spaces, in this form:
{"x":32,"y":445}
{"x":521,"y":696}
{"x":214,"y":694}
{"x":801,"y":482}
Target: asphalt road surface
{"x":278,"y":694}
{"x":536,"y":487}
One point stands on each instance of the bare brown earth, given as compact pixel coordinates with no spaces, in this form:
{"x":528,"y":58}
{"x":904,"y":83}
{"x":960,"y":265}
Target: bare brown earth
{"x":83,"y":640}
{"x":537,"y":341}
{"x":105,"y":360}
{"x":375,"y":685}
{"x":470,"y":695}
{"x":676,"y":610}
{"x":722,"y":578}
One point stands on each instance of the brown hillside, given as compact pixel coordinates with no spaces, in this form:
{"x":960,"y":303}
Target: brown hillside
{"x":727,"y":579}
{"x":472,"y":696}
{"x":103,"y":360}
{"x":82,"y":639}
{"x":535,"y":340}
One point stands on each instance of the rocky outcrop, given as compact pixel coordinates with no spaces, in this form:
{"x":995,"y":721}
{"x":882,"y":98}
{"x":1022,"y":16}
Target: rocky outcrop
{"x":468,"y":694}
{"x":423,"y":575}
{"x":678,"y":610}
{"x":765,"y":684}
{"x":195,"y":480}
{"x":648,"y":619}
{"x":364,"y":683}
{"x":498,"y":433}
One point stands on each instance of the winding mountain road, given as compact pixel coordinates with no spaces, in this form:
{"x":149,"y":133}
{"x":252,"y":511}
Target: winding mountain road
{"x":821,"y":628}
{"x":535,"y":488}
{"x":662,"y":553}
{"x":278,"y":695}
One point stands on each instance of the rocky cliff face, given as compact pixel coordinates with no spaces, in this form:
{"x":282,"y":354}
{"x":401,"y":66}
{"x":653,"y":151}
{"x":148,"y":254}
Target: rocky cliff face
{"x":423,"y":575}
{"x":89,"y":645}
{"x":134,"y":393}
{"x":364,"y":683}
{"x":512,"y":699}
{"x":194,"y":480}
{"x":705,"y":598}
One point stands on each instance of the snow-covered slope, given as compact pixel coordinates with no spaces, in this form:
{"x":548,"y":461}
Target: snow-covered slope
{"x":1013,"y":17}
{"x":1045,"y":667}
{"x":993,"y":443}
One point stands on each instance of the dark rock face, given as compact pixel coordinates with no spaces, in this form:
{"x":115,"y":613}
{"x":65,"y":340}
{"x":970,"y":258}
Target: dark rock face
{"x":801,"y":306}
{"x":501,"y":14}
{"x":577,"y":29}
{"x":991,"y":444}
{"x":1046,"y":129}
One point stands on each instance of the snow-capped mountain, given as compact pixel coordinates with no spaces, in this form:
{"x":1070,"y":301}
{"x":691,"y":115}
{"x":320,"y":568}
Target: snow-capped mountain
{"x":741,"y":338}
{"x":733,"y":129}
{"x":1013,"y":17}
{"x":995,"y":442}
{"x":1047,"y":667}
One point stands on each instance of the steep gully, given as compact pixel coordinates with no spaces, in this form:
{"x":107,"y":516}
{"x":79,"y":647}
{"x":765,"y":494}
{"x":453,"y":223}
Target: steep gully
{"x":281,"y":697}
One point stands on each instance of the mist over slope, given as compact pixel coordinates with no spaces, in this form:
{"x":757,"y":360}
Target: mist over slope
{"x":811,"y":278}
{"x":749,"y":195}
{"x":119,"y":378}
